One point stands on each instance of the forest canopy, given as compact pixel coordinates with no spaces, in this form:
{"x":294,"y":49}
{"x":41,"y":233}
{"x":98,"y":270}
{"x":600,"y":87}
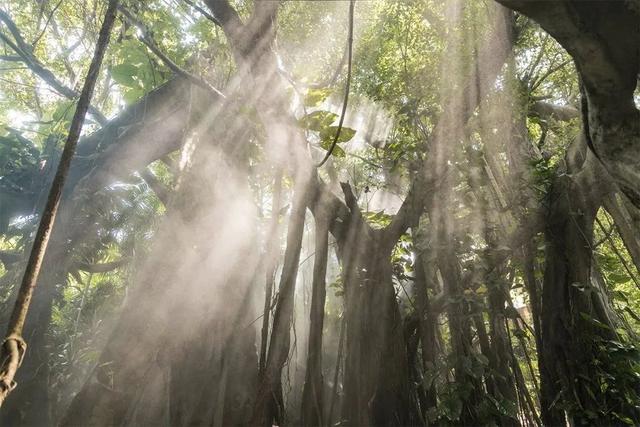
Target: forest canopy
{"x":354,"y":213}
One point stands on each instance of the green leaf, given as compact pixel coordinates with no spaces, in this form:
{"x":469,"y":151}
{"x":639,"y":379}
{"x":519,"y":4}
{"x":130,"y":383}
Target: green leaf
{"x":132,"y":95}
{"x":318,"y":120}
{"x":482,"y":289}
{"x":64,"y":111}
{"x":337,"y":151}
{"x":316,"y":96}
{"x":124,"y":74}
{"x":618,"y":278}
{"x":329,"y":133}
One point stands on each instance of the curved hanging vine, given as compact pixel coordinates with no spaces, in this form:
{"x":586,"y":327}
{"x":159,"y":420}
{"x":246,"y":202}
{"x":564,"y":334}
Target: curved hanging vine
{"x":345,"y":101}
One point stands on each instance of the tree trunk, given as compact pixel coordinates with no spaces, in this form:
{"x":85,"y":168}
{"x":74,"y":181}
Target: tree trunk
{"x":376,"y":377}
{"x":192,"y":279}
{"x":625,"y":228}
{"x":312,"y":394}
{"x":377,"y":391}
{"x":500,"y":347}
{"x":271,"y":255}
{"x":568,"y":310}
{"x":269,"y":401}
{"x":427,"y":326}
{"x":604,"y":40}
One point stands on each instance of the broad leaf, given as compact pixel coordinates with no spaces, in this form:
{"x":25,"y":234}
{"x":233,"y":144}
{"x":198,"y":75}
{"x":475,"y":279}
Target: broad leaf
{"x":318,"y":120}
{"x":124,"y":74}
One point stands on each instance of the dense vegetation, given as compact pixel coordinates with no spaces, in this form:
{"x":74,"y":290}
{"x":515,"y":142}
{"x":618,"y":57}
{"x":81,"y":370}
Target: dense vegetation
{"x":468,"y":254}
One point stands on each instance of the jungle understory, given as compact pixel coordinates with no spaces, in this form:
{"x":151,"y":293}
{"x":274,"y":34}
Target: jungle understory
{"x":320,"y":213}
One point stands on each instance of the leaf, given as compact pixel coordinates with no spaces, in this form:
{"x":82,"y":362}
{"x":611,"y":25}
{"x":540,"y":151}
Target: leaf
{"x":482,"y":289}
{"x":132,"y":95}
{"x":337,"y":151}
{"x":594,"y":321}
{"x":329,"y":133}
{"x":318,"y":120}
{"x":316,"y":96}
{"x":64,"y":112}
{"x":618,"y":278}
{"x":124,"y":74}
{"x":632,"y":314}
{"x":623,"y":418}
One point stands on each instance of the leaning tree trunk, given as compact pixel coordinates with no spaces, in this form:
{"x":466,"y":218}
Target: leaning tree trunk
{"x":33,"y":378}
{"x":82,"y":179}
{"x":14,"y":347}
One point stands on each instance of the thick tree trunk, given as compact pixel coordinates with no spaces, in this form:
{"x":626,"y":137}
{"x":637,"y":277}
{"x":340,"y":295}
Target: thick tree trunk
{"x":377,"y":390}
{"x":187,"y":285}
{"x":30,"y":404}
{"x":625,"y":228}
{"x":271,"y":256}
{"x":116,"y":155}
{"x":376,"y":378}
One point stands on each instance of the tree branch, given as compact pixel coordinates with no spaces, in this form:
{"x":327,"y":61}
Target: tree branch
{"x":162,"y":191}
{"x":26,"y":55}
{"x":148,"y":41}
{"x":204,"y":13}
{"x":547,"y":110}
